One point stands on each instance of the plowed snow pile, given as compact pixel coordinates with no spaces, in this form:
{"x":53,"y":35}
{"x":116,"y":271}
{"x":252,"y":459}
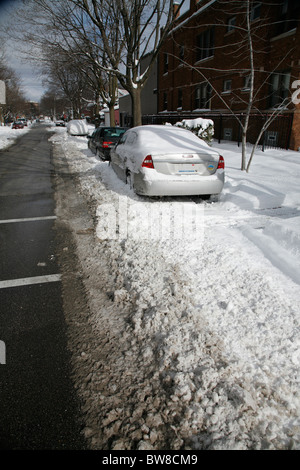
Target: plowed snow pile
{"x":8,"y":135}
{"x":194,"y":308}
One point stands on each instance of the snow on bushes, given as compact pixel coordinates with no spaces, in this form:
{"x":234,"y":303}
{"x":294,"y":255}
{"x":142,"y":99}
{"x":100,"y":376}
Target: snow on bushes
{"x":203,"y":128}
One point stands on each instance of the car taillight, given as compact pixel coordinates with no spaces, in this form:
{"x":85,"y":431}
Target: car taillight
{"x":148,"y":162}
{"x":106,"y":145}
{"x":221,"y":164}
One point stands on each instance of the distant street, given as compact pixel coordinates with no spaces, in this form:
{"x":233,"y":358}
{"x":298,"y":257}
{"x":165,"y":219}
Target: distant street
{"x":38,"y":406}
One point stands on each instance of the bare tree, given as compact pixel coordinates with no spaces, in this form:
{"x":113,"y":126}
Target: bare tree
{"x":112,"y":36}
{"x":67,"y":77}
{"x":136,"y":27}
{"x":53,"y":102}
{"x":248,"y":53}
{"x":58,"y":36}
{"x":15,"y":100}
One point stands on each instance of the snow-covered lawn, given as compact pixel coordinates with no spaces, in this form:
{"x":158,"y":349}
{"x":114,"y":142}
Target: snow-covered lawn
{"x":196,"y":344}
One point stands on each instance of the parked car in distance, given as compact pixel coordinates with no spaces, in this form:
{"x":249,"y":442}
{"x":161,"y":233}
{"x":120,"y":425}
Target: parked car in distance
{"x":60,"y":123}
{"x":18,"y":125}
{"x":103,"y":139}
{"x":158,"y":160}
{"x":77,"y":127}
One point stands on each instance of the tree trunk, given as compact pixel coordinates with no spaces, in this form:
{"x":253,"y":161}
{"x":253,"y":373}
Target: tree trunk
{"x":112,"y":115}
{"x":244,"y":150}
{"x":136,"y":106}
{"x":251,"y":92}
{"x":112,"y":93}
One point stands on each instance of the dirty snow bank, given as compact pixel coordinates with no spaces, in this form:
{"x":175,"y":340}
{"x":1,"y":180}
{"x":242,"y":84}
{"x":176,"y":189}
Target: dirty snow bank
{"x":203,"y":323}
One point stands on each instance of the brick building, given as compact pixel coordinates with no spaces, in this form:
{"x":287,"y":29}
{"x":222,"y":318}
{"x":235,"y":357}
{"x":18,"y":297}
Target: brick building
{"x":204,"y":66}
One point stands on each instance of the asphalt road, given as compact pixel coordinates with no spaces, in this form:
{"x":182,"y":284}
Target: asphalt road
{"x":38,"y":405}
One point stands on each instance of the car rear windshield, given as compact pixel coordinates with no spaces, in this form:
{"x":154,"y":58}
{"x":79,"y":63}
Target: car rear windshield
{"x":114,"y":132}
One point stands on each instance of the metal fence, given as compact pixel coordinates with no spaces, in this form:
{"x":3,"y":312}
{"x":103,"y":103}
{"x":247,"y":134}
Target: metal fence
{"x":227,"y":126}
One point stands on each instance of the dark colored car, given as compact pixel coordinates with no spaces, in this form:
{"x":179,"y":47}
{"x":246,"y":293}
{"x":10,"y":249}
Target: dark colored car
{"x":18,"y":125}
{"x":103,"y":139}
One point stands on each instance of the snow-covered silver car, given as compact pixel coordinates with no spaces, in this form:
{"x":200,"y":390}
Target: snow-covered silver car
{"x":167,"y":161}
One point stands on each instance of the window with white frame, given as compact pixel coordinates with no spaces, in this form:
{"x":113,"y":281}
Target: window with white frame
{"x":203,"y":96}
{"x":288,"y":16}
{"x":205,"y":44}
{"x":227,"y":86}
{"x":166,"y":62}
{"x":247,"y":83}
{"x":181,"y":52}
{"x":231,"y":23}
{"x":279,"y":88}
{"x":255,"y":11}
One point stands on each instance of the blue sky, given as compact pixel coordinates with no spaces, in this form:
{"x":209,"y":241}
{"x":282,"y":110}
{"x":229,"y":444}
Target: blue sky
{"x":30,"y":80}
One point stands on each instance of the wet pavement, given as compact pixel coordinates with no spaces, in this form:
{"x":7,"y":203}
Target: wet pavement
{"x":39,"y":408}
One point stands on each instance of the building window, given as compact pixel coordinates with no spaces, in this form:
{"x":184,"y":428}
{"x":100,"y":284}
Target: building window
{"x":179,"y":101}
{"x":227,"y":86}
{"x":166,"y":62}
{"x":231,"y":24}
{"x":285,"y":6}
{"x":288,"y":17}
{"x":205,"y":44}
{"x":247,"y":83}
{"x":279,"y":88}
{"x":165,"y":101}
{"x":181,"y":52}
{"x":203,"y":96}
{"x":255,"y":11}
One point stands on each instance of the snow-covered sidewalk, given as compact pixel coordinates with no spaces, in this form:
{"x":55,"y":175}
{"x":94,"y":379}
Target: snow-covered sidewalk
{"x":201,"y":317}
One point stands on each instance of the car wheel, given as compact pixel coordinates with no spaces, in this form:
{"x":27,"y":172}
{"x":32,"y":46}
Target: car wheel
{"x":210,"y":197}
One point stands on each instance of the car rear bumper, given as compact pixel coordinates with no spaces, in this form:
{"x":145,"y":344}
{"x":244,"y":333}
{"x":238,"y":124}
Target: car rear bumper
{"x":103,"y":153}
{"x":179,"y":185}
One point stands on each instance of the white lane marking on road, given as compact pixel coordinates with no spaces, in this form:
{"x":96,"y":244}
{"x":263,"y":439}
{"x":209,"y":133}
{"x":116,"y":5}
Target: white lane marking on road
{"x":29,"y":219}
{"x":27,"y":281}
